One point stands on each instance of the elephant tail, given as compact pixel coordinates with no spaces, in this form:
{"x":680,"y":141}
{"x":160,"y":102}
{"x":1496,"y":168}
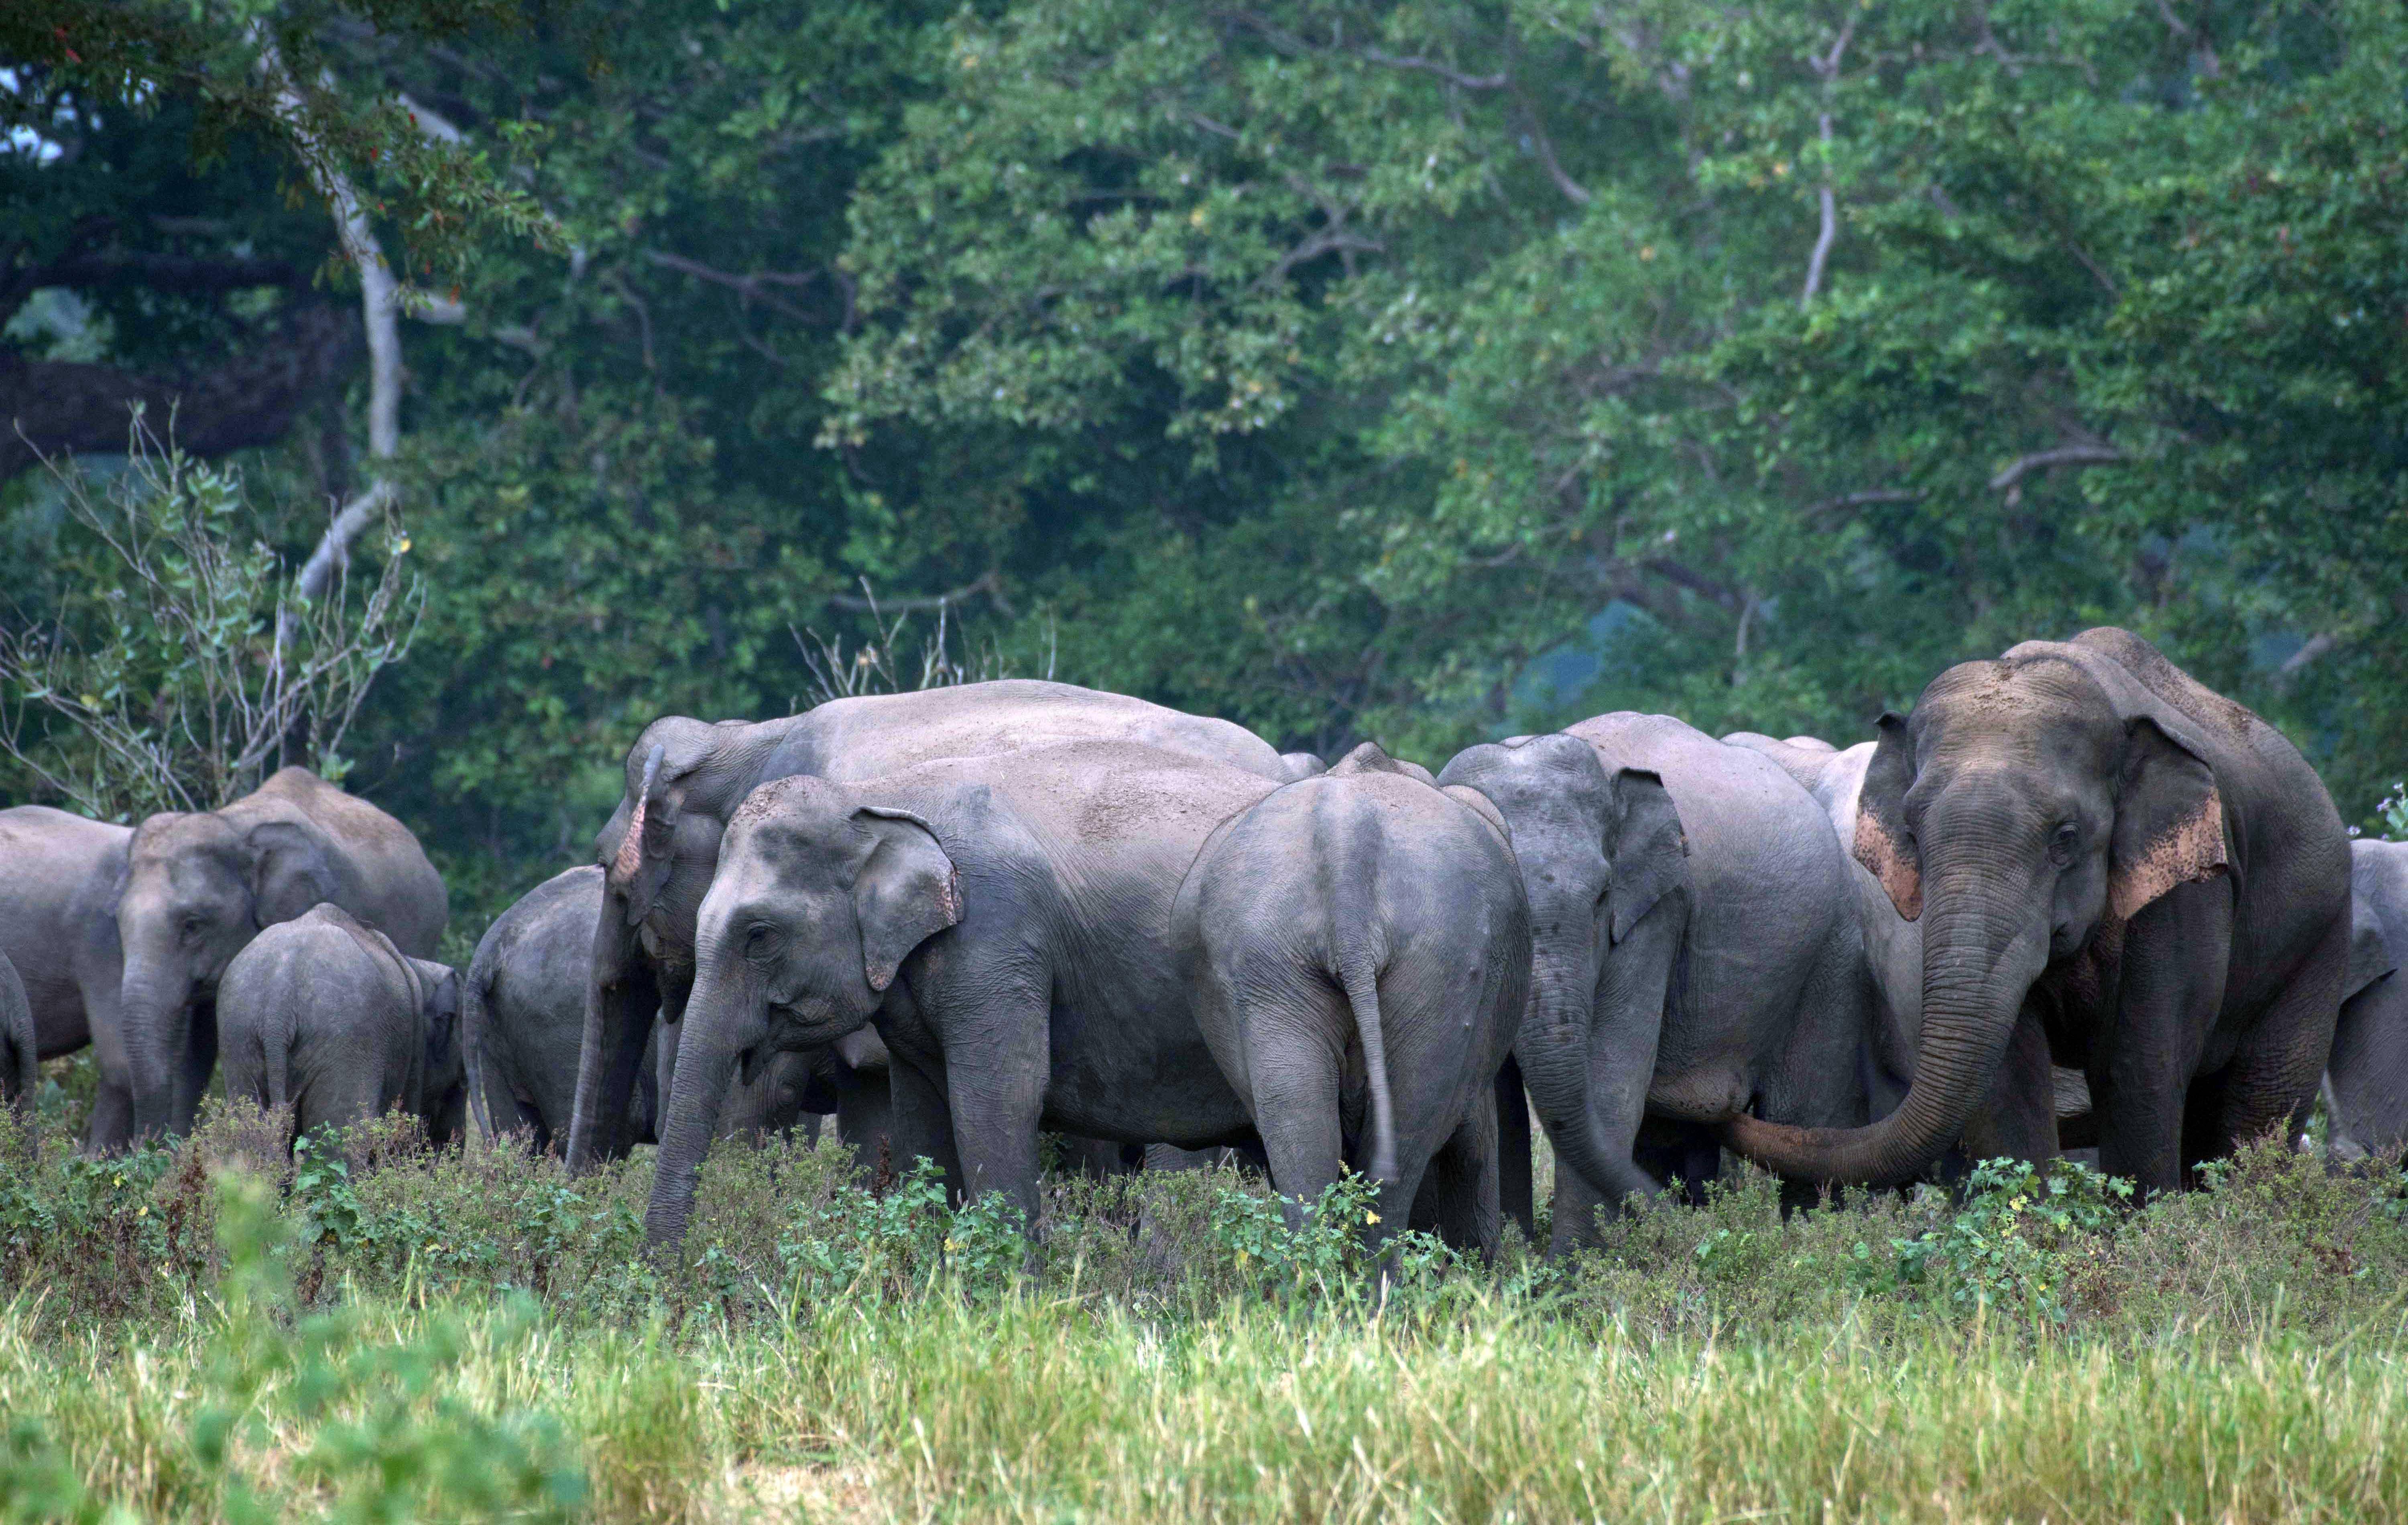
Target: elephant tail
{"x":276,"y":1070}
{"x":1355,"y":952}
{"x":1360,"y":980}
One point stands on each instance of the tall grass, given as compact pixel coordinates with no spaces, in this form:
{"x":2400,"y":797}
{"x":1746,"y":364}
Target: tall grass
{"x":379,"y":1331}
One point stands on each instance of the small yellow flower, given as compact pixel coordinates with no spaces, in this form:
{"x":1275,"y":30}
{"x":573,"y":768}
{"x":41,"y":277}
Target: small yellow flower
{"x":1370,"y":1218}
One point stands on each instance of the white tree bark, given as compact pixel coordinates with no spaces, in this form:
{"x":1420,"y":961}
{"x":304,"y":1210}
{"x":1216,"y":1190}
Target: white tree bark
{"x":380,"y":307}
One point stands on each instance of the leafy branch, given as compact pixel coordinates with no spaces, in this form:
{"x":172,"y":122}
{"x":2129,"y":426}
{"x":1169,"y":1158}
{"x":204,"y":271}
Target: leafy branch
{"x":162,"y":683}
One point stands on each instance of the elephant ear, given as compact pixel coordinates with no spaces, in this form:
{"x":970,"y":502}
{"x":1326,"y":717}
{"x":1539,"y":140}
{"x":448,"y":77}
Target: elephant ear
{"x":2370,"y":957}
{"x":1883,"y":845}
{"x":2169,"y":816}
{"x":906,"y":892}
{"x":290,"y":871}
{"x":1647,"y":849}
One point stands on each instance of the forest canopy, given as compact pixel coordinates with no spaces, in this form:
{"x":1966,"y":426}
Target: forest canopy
{"x":1421,"y":371}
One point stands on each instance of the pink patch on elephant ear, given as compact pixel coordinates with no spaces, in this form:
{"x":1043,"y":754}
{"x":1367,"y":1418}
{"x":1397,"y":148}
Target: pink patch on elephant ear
{"x":631,"y":846}
{"x":2190,"y":851}
{"x":1886,"y":861}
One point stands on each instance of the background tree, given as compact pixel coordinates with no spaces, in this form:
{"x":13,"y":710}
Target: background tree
{"x":1422,"y":370}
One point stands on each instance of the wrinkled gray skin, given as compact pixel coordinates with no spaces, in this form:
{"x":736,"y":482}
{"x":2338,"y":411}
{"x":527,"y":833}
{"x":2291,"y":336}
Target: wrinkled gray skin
{"x":685,"y":777}
{"x":1004,"y":921}
{"x":1359,"y":945}
{"x":326,"y":1017}
{"x":1692,"y":955}
{"x":1893,"y":948}
{"x":21,"y":1060}
{"x":2113,"y":866}
{"x":2366,"y":1078}
{"x":121,"y":936}
{"x":523,"y":1018}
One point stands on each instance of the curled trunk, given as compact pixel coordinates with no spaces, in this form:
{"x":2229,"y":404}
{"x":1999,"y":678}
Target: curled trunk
{"x":1553,"y":1054}
{"x":1978,"y":963}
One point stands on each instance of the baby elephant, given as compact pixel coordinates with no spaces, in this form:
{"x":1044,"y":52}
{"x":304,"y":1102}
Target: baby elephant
{"x":1359,"y":945}
{"x":324,"y":1015}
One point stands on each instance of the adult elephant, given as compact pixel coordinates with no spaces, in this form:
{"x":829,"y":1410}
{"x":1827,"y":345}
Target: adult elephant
{"x":2113,"y":865}
{"x":1004,"y":921}
{"x":685,"y":777}
{"x":121,"y":935}
{"x":2366,"y":1076}
{"x":1692,"y":957}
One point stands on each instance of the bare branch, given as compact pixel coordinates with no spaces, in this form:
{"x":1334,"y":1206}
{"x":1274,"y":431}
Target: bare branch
{"x":2010,"y":479}
{"x":1827,"y":68}
{"x":1429,"y":66}
{"x":990,"y":584}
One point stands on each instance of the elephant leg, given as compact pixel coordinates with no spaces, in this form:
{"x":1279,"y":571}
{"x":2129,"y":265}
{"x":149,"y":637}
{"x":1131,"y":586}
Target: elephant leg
{"x":2170,"y":987}
{"x":2275,"y":1069}
{"x":1459,"y":1199}
{"x":996,"y":1089}
{"x":1514,"y":1192}
{"x":1296,"y":1071}
{"x":2019,"y":1119}
{"x":111,"y":1125}
{"x":921,"y":1127}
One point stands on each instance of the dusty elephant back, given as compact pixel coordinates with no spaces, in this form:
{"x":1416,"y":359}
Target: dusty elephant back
{"x":877,"y":735}
{"x":391,"y":884}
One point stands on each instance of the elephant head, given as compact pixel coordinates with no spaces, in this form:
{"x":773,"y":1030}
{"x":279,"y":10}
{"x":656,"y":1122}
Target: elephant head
{"x":684,"y":777}
{"x":197,"y":889}
{"x":818,"y":901}
{"x":1598,"y":850}
{"x":445,"y":1077}
{"x":2030,"y":809}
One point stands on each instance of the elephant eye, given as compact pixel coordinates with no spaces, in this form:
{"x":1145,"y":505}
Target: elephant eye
{"x":2061,"y":844}
{"x":762,"y":940}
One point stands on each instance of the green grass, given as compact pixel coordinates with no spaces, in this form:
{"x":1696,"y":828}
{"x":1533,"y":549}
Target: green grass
{"x":382,"y":1332}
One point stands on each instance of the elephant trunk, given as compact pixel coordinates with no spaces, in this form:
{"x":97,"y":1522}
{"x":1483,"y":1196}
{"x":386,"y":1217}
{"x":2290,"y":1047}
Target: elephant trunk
{"x":720,"y":1024}
{"x":1980,"y":952}
{"x":154,"y":1011}
{"x":611,"y":1051}
{"x":1552,"y":1050}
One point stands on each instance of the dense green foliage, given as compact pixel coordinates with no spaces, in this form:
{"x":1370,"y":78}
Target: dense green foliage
{"x":1421,"y":370}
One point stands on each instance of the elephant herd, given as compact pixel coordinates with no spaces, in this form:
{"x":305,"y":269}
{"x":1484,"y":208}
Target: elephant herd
{"x":2075,"y":898}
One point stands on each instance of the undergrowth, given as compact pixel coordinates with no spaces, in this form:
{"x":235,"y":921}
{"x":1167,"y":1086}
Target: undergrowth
{"x":372,"y":1328}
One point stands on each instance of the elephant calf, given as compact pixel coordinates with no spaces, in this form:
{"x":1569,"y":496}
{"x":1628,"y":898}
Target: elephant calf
{"x":324,"y":1015}
{"x":2366,"y":1078}
{"x":1359,"y":949}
